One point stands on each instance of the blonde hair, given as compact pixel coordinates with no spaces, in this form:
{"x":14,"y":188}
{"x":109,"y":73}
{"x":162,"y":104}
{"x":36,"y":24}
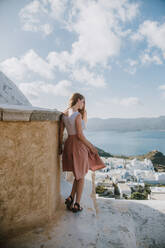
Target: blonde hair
{"x":73,"y":100}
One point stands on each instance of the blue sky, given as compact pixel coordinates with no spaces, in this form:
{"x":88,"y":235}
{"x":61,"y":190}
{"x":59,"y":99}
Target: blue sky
{"x":111,"y":51}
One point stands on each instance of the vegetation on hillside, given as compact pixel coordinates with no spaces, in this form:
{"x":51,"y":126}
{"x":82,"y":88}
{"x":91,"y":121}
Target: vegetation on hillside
{"x":102,"y":153}
{"x":156,"y":157}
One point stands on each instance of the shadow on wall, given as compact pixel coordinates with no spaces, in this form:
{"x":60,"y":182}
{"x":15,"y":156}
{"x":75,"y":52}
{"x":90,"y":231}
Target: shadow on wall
{"x":29,"y":168}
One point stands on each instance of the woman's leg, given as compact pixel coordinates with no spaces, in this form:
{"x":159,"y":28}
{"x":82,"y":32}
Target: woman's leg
{"x":79,"y":189}
{"x":73,"y":191}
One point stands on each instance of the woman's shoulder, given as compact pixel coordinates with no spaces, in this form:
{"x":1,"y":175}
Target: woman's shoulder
{"x":78,"y":116}
{"x":65,"y":113}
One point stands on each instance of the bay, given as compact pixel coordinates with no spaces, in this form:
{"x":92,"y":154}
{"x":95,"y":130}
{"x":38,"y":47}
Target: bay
{"x":127,"y":143}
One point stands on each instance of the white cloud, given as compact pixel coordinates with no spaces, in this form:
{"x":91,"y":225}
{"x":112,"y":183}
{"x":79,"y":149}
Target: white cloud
{"x":32,"y":8}
{"x":154,"y":33}
{"x":146,"y":58}
{"x":97,"y":42}
{"x":124,"y":10}
{"x":162,"y":88}
{"x":62,"y":88}
{"x":38,"y":65}
{"x":63,"y":61}
{"x":33,"y":90}
{"x":36,"y":16}
{"x":130,"y":66}
{"x":130,"y":70}
{"x":23,"y":67}
{"x":57,"y":8}
{"x":125,"y":102}
{"x":129,"y":101}
{"x":14,"y":68}
{"x":97,"y":24}
{"x":46,"y":28}
{"x":101,"y":40}
{"x":136,"y":37}
{"x":30,"y":18}
{"x":89,"y":78}
{"x":132,"y":62}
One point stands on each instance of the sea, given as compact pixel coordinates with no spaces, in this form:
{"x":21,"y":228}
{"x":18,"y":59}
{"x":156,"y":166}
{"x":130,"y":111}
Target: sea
{"x":130,"y":143}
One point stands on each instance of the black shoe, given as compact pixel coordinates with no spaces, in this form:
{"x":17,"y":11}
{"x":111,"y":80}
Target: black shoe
{"x":78,"y":208}
{"x":69,"y":202}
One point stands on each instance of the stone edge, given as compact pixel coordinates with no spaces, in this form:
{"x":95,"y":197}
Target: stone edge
{"x":7,"y":114}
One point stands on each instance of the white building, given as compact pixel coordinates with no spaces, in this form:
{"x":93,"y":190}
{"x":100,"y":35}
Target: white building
{"x":150,"y":177}
{"x":114,"y":163}
{"x":146,"y":164}
{"x":160,"y":177}
{"x":105,"y":182}
{"x":135,"y":184}
{"x":117,"y":177}
{"x":124,"y":189}
{"x":145,"y":176}
{"x":157,"y":193}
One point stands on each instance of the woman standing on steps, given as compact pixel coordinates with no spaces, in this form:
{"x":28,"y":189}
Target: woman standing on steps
{"x":78,"y":155}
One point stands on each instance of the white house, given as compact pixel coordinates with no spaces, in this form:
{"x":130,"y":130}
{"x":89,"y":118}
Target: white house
{"x":160,"y":177}
{"x":124,"y":189}
{"x":146,"y":164}
{"x":157,"y":193}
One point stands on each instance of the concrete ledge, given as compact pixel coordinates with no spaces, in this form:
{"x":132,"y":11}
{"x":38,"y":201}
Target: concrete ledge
{"x":44,"y":115}
{"x":27,"y":113}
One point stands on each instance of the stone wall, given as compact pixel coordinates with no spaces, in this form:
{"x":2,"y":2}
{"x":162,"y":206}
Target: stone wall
{"x":29,"y":168}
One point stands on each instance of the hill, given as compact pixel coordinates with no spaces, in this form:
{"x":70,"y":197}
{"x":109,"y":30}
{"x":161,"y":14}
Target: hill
{"x":102,"y":153}
{"x":157,"y":158}
{"x":118,"y":124}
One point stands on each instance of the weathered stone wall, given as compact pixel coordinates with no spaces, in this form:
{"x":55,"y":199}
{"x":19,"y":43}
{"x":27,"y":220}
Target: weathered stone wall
{"x":29,"y":169}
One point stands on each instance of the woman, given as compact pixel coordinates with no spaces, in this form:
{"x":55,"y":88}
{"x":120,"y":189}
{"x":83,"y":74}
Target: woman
{"x":78,"y":154}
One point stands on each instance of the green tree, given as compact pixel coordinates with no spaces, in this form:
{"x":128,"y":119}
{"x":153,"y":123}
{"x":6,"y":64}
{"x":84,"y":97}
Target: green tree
{"x":116,"y":190}
{"x":100,"y":189}
{"x":125,"y":196}
{"x":138,"y":196}
{"x":147,"y":189}
{"x":140,"y":189}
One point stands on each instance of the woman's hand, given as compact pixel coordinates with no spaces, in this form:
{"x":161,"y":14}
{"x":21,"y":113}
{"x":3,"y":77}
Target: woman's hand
{"x":93,"y":150}
{"x":85,"y":114}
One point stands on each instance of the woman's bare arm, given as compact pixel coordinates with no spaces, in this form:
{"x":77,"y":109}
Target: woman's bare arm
{"x":61,"y":131}
{"x":81,"y":135}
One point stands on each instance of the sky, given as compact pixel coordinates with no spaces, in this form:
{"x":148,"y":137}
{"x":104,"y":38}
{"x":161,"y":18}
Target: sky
{"x":110,"y":51}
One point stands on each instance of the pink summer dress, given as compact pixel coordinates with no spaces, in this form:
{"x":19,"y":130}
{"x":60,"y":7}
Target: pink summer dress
{"x":76,"y":156}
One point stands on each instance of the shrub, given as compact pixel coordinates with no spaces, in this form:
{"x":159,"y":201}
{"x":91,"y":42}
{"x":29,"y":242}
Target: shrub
{"x":138,"y":196}
{"x":100,"y":189}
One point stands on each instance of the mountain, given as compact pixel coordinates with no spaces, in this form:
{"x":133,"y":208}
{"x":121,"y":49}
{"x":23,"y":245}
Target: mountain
{"x":157,"y":158}
{"x":102,"y":153}
{"x":118,"y":124}
{"x":10,"y":94}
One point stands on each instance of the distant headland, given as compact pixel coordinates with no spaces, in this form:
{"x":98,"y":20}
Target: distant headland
{"x":120,"y":124}
{"x":157,"y":158}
